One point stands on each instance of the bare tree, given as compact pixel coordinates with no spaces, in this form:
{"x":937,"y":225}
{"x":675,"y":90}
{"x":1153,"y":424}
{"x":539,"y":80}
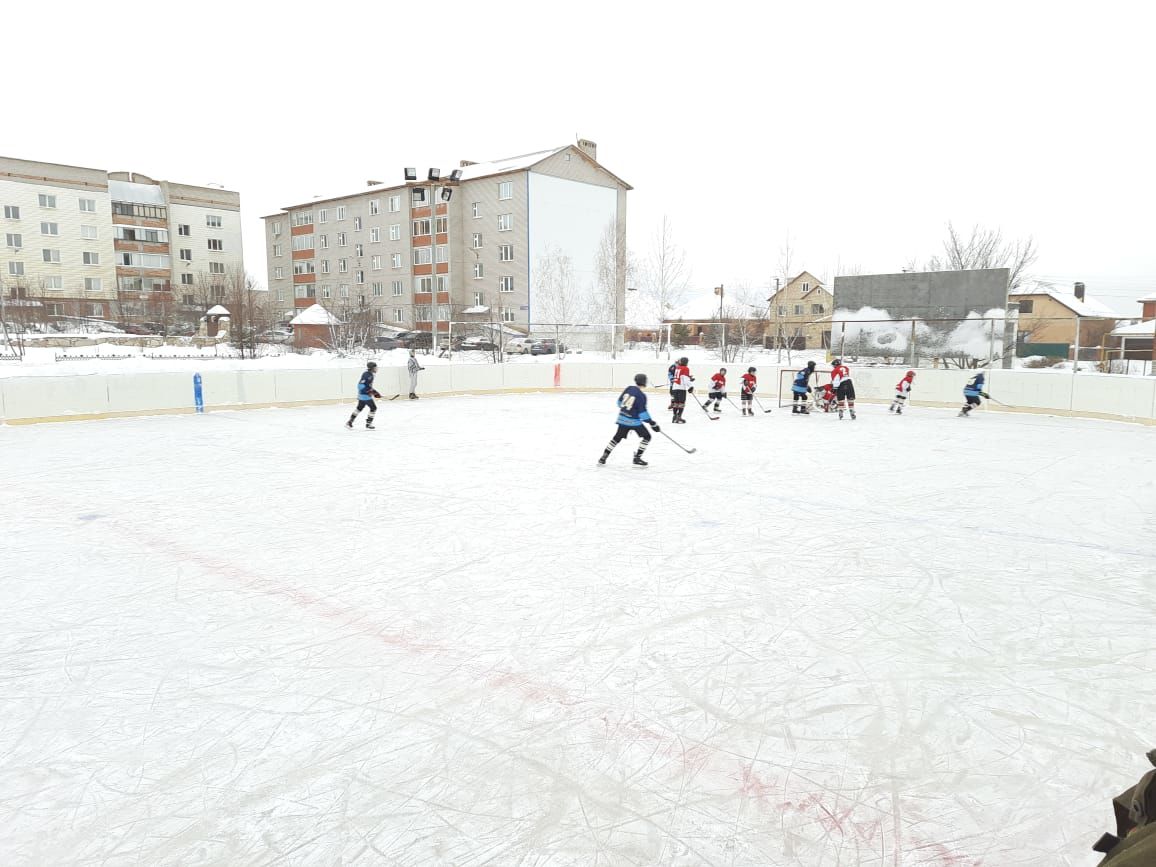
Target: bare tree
{"x":555,"y":289}
{"x":786,"y":260}
{"x":248,"y":309}
{"x":985,"y":248}
{"x":613,"y":269}
{"x":666,"y":277}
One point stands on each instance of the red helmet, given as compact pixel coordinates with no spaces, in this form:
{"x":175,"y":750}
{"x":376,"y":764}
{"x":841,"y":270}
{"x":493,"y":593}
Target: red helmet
{"x":911,"y":374}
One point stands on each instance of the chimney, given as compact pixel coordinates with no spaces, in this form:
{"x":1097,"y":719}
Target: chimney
{"x":464,"y":163}
{"x":588,"y":147}
{"x":374,"y":183}
{"x":1079,"y":291}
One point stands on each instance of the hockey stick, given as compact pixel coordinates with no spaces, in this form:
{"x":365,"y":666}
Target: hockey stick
{"x":395,"y":397}
{"x":735,"y":405}
{"x":1001,"y":403}
{"x":689,"y":451}
{"x":760,"y":403}
{"x":703,"y":408}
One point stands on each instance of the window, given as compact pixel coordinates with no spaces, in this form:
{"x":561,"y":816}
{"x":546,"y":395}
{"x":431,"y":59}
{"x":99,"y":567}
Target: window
{"x":186,"y":254}
{"x":782,"y":310}
{"x":378,"y":289}
{"x":213,"y":221}
{"x":324,"y":266}
{"x":187,"y":280}
{"x":92,"y":284}
{"x":394,"y":204}
{"x":16,"y":269}
{"x":88,"y":205}
{"x":96,"y":309}
{"x":441,"y":253}
{"x":422,"y":313}
{"x":395,"y":260}
{"x":216,"y":267}
{"x":301,"y":218}
{"x":477,"y":209}
{"x":477,"y":240}
{"x":1026,"y":306}
{"x":342,"y":266}
{"x":374,"y":207}
{"x":11,"y":212}
{"x":479,"y":299}
{"x":358,"y":250}
{"x":341,"y":212}
{"x":420,"y":227}
{"x":359,"y":277}
{"x":278,"y":250}
{"x":422,"y":256}
{"x":323,"y":215}
{"x":305,"y":266}
{"x":343,"y":290}
{"x":300,"y":242}
{"x":505,"y":284}
{"x":47,"y":201}
{"x":52,"y":255}
{"x":186,"y":230}
{"x":323,"y":242}
{"x":88,"y":233}
{"x":280,"y":293}
{"x":806,"y":287}
{"x":375,"y":234}
{"x":341,"y":241}
{"x":140,"y":234}
{"x":506,"y":190}
{"x":479,"y":270}
{"x":395,"y":232}
{"x":816,"y":308}
{"x":440,"y":225}
{"x":505,"y":222}
{"x":278,"y":274}
{"x":417,"y":196}
{"x":423,"y":284}
{"x":275,"y":228}
{"x":13,"y":240}
{"x":375,"y":263}
{"x":396,"y":288}
{"x":397,"y":315}
{"x":357,"y":224}
{"x":508,"y":314}
{"x":49,"y":229}
{"x":56,"y":282}
{"x":325,"y":290}
{"x":143,"y":260}
{"x":218,"y":245}
{"x":305,"y":290}
{"x":798,"y":309}
{"x":506,"y":253}
{"x":147,"y":212}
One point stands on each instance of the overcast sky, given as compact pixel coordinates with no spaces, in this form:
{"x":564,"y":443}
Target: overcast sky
{"x":858,"y":129}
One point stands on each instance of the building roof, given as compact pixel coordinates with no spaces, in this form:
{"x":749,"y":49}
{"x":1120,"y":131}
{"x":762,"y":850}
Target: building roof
{"x":509,"y":164}
{"x":478,"y":308}
{"x":315,"y":315}
{"x":1088,"y":308}
{"x":217,"y":310}
{"x":144,"y":194}
{"x":1140,"y":329}
{"x":1146,"y":298}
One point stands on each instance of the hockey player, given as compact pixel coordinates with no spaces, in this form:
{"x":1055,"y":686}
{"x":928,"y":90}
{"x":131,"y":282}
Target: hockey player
{"x":631,"y":416}
{"x":902,"y":390}
{"x":670,"y":383}
{"x":844,"y":388}
{"x":827,"y":398}
{"x":414,"y":367}
{"x":680,"y":385}
{"x":718,"y":389}
{"x":365,"y":395}
{"x":801,"y":388}
{"x":747,"y":390}
{"x":973,"y":391}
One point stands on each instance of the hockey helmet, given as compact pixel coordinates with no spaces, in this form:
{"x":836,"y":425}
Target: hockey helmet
{"x":750,"y":370}
{"x":640,"y":380}
{"x":684,"y":361}
{"x":911,"y":374}
{"x":835,"y":362}
{"x":811,"y":365}
{"x":372,"y":365}
{"x":722,"y":370}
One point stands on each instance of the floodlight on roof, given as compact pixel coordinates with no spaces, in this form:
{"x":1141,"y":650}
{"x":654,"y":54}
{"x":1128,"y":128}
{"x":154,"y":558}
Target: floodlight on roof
{"x":456,"y":175}
{"x":447,"y":194}
{"x":411,"y":174}
{"x":434,"y":174}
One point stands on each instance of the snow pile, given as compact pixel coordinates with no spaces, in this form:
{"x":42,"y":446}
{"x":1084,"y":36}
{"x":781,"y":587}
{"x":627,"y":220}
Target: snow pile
{"x":870,"y":331}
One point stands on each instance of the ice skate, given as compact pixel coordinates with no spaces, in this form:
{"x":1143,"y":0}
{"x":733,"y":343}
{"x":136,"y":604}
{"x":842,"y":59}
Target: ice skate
{"x":639,"y":462}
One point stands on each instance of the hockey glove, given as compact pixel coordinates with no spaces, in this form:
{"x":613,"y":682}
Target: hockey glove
{"x":691,"y":389}
{"x":654,"y":427}
{"x":809,"y":389}
{"x":376,"y":393}
{"x":985,"y":395}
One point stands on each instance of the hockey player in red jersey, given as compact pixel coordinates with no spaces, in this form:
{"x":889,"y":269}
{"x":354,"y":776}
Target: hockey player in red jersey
{"x":718,"y":389}
{"x":680,"y":385}
{"x":827,"y":398}
{"x":747,"y":391}
{"x":902,"y":390}
{"x":844,"y":388}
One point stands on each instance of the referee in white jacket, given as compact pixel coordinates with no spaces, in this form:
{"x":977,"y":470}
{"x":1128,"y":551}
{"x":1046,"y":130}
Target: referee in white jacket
{"x":413,"y":367}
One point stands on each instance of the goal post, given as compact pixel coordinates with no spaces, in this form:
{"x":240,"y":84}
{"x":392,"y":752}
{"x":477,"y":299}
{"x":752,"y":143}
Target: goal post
{"x":787,"y":379}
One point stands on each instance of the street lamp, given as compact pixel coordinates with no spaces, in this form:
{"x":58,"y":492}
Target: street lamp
{"x":433,"y":176}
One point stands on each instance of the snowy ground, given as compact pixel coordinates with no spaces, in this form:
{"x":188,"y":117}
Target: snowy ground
{"x":255,"y":637}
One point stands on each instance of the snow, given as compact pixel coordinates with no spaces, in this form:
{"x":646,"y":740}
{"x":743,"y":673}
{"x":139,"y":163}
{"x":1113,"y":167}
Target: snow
{"x":1138,"y":329}
{"x":218,"y":310}
{"x":315,"y":315}
{"x":1089,"y":308}
{"x":260,"y":637}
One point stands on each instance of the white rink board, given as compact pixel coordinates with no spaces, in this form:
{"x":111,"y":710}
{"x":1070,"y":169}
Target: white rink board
{"x":915,"y":640}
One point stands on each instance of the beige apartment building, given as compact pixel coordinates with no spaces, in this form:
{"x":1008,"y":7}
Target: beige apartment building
{"x":799,"y":314}
{"x":84,"y":243}
{"x":481,"y":236}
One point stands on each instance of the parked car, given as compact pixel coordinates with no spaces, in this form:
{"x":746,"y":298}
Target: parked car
{"x":518,"y":346}
{"x":385,"y":341}
{"x":477,"y":343}
{"x":276,"y":335}
{"x":415,"y":340}
{"x":547,"y":347}
{"x":130,"y":328}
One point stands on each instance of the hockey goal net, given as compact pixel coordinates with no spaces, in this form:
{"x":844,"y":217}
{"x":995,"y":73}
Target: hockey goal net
{"x":818,"y":379}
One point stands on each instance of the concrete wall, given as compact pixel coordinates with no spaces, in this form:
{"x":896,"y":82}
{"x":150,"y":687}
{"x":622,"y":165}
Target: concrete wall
{"x":925,"y":295}
{"x":26,"y":400}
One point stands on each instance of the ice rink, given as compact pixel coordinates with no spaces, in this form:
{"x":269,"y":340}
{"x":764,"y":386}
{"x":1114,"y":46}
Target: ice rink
{"x":256,"y":638}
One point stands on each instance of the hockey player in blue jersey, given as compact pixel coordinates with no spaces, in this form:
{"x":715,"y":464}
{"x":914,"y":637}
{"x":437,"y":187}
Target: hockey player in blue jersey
{"x":365,"y":395}
{"x":632,"y":416}
{"x":801,"y":388}
{"x":973,"y":391}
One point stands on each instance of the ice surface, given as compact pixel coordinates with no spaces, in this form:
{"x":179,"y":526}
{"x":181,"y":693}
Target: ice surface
{"x":256,"y":637}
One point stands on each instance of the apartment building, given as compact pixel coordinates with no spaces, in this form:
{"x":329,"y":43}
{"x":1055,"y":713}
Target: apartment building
{"x":87,"y":243}
{"x":480,"y":237}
